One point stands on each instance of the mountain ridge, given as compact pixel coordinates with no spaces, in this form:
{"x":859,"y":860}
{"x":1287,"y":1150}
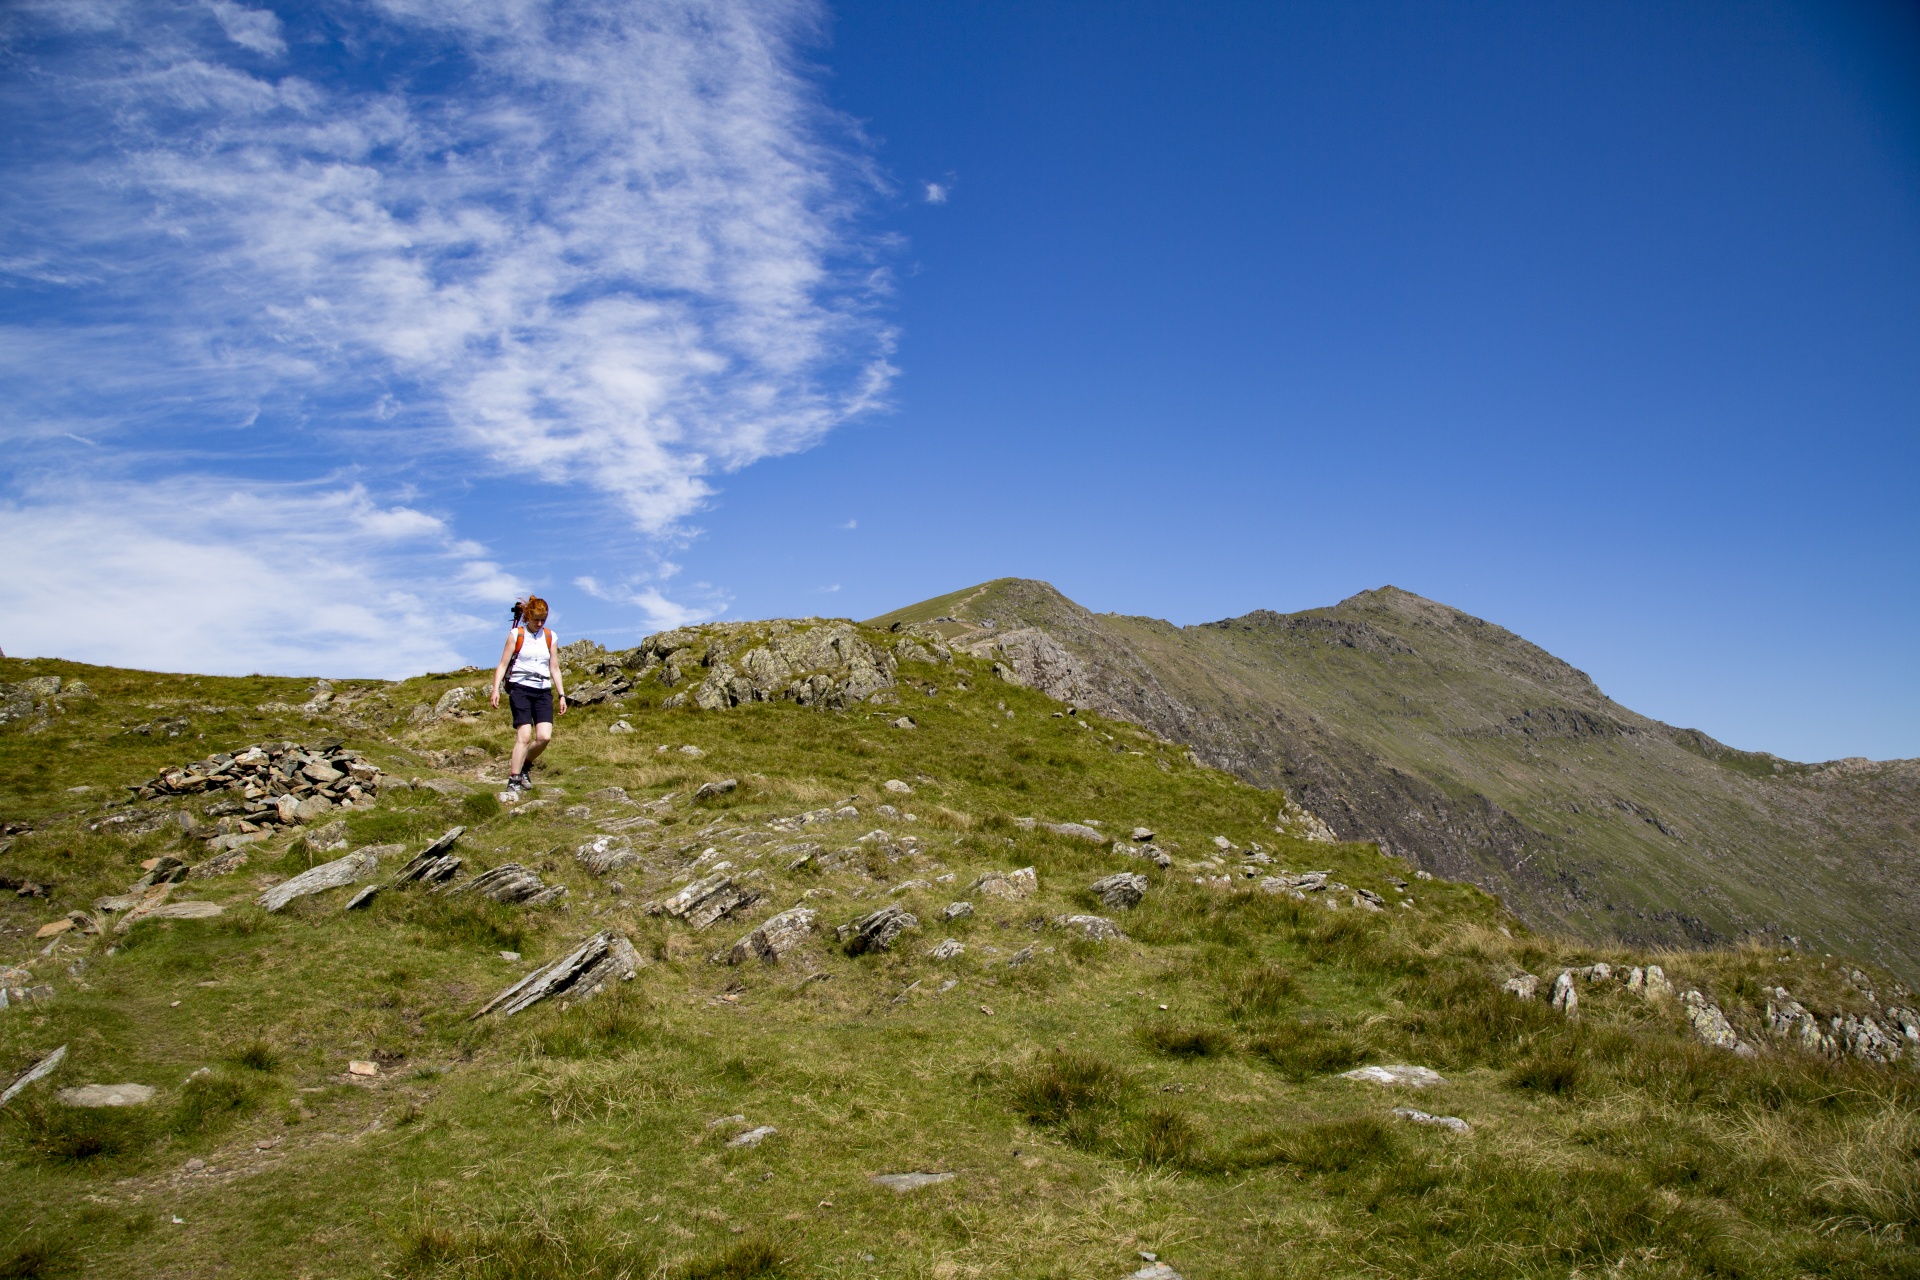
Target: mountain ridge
{"x":1474,"y":753}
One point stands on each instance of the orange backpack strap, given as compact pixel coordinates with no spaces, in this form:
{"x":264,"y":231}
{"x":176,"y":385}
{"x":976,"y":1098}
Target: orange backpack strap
{"x":519,"y":638}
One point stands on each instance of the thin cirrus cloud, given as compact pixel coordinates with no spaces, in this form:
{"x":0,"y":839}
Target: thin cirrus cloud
{"x":612,"y":246}
{"x":656,"y":610}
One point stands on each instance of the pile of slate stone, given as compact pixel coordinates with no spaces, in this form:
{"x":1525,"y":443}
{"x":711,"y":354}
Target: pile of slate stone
{"x":279,"y":782}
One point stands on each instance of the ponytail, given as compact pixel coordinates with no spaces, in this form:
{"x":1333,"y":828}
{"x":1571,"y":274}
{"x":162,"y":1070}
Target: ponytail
{"x":530,"y":612}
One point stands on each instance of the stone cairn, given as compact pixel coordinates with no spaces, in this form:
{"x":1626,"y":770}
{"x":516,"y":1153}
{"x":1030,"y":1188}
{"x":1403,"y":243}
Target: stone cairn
{"x":278,"y":783}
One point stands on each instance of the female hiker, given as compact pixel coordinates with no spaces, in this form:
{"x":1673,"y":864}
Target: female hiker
{"x":530,"y":665}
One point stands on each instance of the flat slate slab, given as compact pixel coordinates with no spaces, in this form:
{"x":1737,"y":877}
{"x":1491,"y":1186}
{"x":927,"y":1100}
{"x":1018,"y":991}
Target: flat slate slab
{"x":904,"y":1182}
{"x":108,"y":1095}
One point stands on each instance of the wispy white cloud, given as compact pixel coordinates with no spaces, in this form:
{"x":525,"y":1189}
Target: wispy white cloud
{"x":936,"y":192}
{"x":659,"y":613}
{"x":205,"y":575}
{"x":255,"y":29}
{"x":851,"y":524}
{"x":827,"y":591}
{"x":614,"y":246}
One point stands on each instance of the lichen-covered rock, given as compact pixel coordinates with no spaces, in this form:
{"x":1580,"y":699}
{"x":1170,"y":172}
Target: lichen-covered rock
{"x":511,"y":883}
{"x":1097,"y":928}
{"x":775,"y":938}
{"x":1789,"y":1020}
{"x":1524,"y":986}
{"x":1710,"y":1024}
{"x":606,"y":854}
{"x":705,"y":901}
{"x":1010,"y":885}
{"x":328,"y":875}
{"x":1076,"y":831}
{"x":602,"y":959}
{"x":1120,"y":891}
{"x":813,"y":662}
{"x":1566,"y":997}
{"x":1029,"y":657}
{"x":1152,"y":853}
{"x":876,"y":932}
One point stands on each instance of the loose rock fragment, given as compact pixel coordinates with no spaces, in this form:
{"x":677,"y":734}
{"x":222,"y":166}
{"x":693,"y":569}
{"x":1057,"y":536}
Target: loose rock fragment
{"x":1120,"y":891}
{"x":1076,"y":831}
{"x":1565,"y":998}
{"x":1152,"y":853}
{"x":38,"y":1071}
{"x":947,"y":950}
{"x":328,"y":875}
{"x":1399,"y":1073}
{"x":707,"y":790}
{"x":603,"y":958}
{"x":1523,"y":986}
{"x":1156,"y":1271}
{"x":1454,"y":1123}
{"x":428,"y":868}
{"x":904,"y":1182}
{"x":362,"y":898}
{"x":752,"y":1137}
{"x":876,"y":932}
{"x":183,"y":911}
{"x":108,"y":1095}
{"x":220,"y":864}
{"x":606,"y":854}
{"x":956,"y":911}
{"x":774,"y":938}
{"x":165,"y":870}
{"x":898,"y":787}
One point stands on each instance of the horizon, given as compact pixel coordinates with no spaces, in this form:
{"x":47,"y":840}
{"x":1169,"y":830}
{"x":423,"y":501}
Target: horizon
{"x":334,"y":324}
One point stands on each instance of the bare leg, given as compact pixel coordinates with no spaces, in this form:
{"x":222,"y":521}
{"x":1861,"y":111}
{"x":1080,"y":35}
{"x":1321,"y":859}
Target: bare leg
{"x":521,"y":737}
{"x":542,"y":735}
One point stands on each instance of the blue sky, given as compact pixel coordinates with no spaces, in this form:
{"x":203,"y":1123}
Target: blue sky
{"x":328,"y":327}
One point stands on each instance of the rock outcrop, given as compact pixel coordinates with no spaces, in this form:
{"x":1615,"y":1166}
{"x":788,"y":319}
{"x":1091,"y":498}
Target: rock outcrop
{"x":811,"y":661}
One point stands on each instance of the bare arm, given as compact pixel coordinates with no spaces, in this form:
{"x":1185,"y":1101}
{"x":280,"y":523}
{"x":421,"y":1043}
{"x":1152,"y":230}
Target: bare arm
{"x":500,"y":672}
{"x":553,"y":669}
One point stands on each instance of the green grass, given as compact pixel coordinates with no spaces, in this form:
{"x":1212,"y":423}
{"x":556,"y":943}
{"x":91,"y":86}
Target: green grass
{"x":1085,"y":1122}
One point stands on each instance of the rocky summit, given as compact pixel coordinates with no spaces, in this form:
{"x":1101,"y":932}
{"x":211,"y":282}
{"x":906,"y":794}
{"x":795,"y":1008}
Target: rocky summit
{"x":992,"y":939}
{"x":1456,"y":745}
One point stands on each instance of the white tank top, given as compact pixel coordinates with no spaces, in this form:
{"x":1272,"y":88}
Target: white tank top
{"x":530,"y":668}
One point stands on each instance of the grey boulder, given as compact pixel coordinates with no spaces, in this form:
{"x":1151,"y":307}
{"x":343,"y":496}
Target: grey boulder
{"x":1120,"y":891}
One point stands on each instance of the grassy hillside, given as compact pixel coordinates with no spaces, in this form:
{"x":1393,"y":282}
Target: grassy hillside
{"x":1175,"y":1091}
{"x":1483,"y":757}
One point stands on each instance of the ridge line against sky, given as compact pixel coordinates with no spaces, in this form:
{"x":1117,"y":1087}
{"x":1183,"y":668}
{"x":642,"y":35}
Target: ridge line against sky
{"x":329,"y":326}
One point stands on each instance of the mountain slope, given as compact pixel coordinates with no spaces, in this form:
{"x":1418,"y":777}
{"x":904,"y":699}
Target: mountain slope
{"x":1477,"y":755}
{"x":1122,"y":1015}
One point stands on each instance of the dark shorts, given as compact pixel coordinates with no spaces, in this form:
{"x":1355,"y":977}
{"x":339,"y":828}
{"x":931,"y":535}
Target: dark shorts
{"x":530,"y":706}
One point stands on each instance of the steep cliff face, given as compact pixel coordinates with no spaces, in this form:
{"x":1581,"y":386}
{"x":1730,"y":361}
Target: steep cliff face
{"x":1477,"y":755}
